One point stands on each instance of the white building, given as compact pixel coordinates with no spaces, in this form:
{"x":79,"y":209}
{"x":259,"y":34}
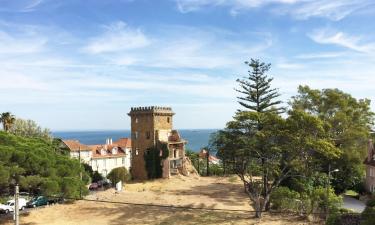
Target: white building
{"x":102,"y":158}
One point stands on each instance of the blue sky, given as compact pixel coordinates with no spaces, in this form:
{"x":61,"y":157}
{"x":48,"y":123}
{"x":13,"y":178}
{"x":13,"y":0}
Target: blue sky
{"x":78,"y":65}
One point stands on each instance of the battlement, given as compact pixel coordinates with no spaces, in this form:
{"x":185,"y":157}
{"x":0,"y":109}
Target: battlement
{"x":151,"y":109}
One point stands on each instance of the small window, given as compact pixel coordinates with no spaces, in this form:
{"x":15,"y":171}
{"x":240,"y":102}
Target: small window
{"x":168,"y":120}
{"x":123,"y":161}
{"x":136,"y":151}
{"x":136,"y":119}
{"x":148,"y":134}
{"x":136,"y":135}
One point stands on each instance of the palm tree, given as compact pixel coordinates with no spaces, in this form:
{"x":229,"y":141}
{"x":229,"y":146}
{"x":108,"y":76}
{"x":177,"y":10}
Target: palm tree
{"x":7,"y":119}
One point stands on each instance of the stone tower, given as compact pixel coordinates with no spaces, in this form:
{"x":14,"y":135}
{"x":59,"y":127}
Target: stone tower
{"x":149,"y":125}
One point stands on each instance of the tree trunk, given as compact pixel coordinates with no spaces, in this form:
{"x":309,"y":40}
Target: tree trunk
{"x":258,"y":209}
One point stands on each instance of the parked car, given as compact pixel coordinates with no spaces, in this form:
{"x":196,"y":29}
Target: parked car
{"x":55,"y":200}
{"x":9,"y":206}
{"x":93,"y":186}
{"x":37,"y":201}
{"x":105,"y":184}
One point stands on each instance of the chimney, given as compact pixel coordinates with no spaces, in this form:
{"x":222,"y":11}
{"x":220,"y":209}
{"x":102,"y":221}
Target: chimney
{"x":107,"y":141}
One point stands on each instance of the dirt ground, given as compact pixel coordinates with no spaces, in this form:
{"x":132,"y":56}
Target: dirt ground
{"x":205,"y":192}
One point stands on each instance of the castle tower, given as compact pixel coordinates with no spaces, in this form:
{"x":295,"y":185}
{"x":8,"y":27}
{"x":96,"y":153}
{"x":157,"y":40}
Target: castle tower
{"x":148,"y":126}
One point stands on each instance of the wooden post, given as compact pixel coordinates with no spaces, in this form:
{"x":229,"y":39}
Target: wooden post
{"x":16,"y":206}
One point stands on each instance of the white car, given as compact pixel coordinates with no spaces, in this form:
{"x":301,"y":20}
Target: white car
{"x":9,"y":206}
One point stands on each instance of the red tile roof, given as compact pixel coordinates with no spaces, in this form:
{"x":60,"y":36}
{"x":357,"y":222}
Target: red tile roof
{"x":75,"y":145}
{"x":123,"y":143}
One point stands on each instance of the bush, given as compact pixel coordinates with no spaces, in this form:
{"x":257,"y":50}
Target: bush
{"x":119,"y":174}
{"x":360,"y":188}
{"x":368,"y":216}
{"x":96,"y":176}
{"x":371,"y":202}
{"x":285,"y":199}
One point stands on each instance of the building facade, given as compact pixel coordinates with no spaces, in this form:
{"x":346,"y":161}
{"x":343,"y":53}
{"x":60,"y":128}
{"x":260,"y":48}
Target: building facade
{"x":151,"y":127}
{"x":370,"y":168}
{"x":102,"y":158}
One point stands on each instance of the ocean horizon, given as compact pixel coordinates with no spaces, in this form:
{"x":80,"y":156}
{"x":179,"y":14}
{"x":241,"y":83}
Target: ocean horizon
{"x":196,"y":138}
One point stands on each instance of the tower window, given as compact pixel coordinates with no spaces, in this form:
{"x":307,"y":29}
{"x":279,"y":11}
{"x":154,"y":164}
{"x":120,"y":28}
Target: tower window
{"x":136,"y":151}
{"x":148,"y":135}
{"x":136,"y":135}
{"x":168,"y":120}
{"x":136,"y":119}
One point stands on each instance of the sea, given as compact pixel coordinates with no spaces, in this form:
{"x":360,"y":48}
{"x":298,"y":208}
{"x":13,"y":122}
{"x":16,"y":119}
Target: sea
{"x":196,"y":138}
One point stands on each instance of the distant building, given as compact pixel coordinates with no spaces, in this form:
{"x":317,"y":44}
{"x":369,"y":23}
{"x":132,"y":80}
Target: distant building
{"x":78,"y":150}
{"x":102,"y":158}
{"x":211,"y":158}
{"x":370,"y":167}
{"x":151,"y":127}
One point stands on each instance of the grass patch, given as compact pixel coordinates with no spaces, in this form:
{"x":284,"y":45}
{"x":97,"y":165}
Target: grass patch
{"x":232,"y":179}
{"x":351,"y":193}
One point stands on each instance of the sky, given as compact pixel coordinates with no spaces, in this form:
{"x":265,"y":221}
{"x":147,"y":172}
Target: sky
{"x":81,"y":65}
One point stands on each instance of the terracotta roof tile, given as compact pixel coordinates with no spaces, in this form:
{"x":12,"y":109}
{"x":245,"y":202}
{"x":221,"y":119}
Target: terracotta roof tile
{"x":123,"y":143}
{"x":75,"y":145}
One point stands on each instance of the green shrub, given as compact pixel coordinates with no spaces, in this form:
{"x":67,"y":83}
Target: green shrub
{"x":333,"y":219}
{"x":285,"y":199}
{"x":371,"y":202}
{"x":368,"y":216}
{"x":119,"y":174}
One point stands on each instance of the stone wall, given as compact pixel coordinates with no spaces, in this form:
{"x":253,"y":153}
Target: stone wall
{"x":145,"y":122}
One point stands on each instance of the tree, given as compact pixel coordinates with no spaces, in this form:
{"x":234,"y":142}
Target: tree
{"x":29,"y":128}
{"x":119,"y":174}
{"x":256,"y":89}
{"x":7,"y":119}
{"x":257,"y":94}
{"x":349,"y":122}
{"x":37,"y":167}
{"x":288,"y":147}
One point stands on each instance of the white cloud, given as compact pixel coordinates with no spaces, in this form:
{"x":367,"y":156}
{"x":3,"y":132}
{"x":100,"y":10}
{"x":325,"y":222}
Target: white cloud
{"x":325,"y":36}
{"x":203,"y":48}
{"x":320,"y":55}
{"x":20,"y":44}
{"x":299,"y":9}
{"x":333,"y":9}
{"x":117,"y":37}
{"x":19,"y":5}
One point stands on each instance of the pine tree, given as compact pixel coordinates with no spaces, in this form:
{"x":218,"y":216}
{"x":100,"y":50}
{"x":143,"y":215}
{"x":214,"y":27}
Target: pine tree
{"x":257,"y":93}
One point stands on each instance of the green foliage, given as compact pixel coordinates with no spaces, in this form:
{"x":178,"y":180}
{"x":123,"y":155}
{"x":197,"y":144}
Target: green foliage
{"x":348,"y":122}
{"x":368,"y":216}
{"x":36,"y":165}
{"x":284,"y":199}
{"x":96,"y":176}
{"x":50,"y":187}
{"x":153,"y":160}
{"x":371,"y":202}
{"x":29,"y":128}
{"x":7,"y":119}
{"x":256,"y":92}
{"x":119,"y":174}
{"x":153,"y":163}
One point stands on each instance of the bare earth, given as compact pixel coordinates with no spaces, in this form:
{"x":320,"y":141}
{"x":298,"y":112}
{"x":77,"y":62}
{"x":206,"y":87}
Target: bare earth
{"x":205,"y":192}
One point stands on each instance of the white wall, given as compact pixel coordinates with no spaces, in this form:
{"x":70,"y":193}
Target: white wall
{"x":85,"y":156}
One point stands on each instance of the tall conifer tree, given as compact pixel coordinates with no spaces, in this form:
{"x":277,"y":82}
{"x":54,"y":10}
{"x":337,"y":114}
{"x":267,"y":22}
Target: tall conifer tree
{"x":257,"y":93}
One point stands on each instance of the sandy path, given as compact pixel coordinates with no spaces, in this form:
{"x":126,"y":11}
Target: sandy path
{"x":209,"y":192}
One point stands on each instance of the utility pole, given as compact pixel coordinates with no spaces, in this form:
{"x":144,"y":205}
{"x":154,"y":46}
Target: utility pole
{"x":80,"y":172}
{"x":327,"y":190}
{"x":328,"y":187}
{"x":16,"y":206}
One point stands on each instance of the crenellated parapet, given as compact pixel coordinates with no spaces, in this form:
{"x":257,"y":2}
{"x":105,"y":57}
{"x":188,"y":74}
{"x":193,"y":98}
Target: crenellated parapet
{"x":151,"y":110}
